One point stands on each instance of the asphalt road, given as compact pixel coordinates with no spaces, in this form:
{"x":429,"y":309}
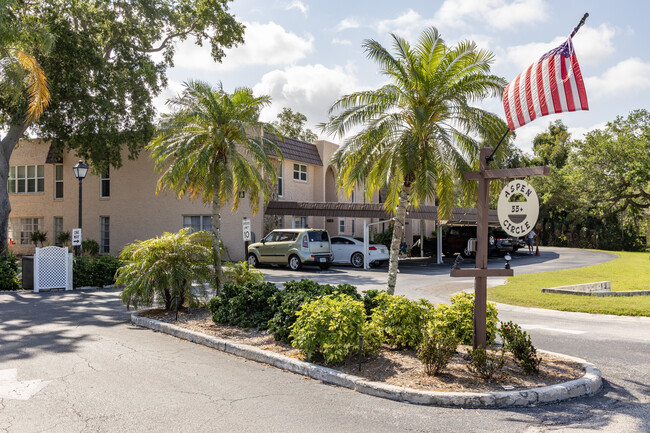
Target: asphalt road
{"x":71,"y":362}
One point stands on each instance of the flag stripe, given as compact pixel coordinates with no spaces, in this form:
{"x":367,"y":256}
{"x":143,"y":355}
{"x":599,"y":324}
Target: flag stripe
{"x":582,"y":93}
{"x":506,"y":106}
{"x":534,"y":92}
{"x":566,"y":84}
{"x":513,"y":110}
{"x":520,"y":117}
{"x":522,"y":97}
{"x":540,"y":90}
{"x":529,"y":94}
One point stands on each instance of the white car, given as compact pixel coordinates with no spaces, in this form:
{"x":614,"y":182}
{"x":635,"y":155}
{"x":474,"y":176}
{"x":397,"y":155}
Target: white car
{"x":347,"y":249}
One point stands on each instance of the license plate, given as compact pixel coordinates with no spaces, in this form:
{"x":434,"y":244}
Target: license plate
{"x":322,"y":259}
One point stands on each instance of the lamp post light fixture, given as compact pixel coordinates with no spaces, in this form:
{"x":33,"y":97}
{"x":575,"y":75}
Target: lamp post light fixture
{"x":80,"y":171}
{"x":508,"y":258}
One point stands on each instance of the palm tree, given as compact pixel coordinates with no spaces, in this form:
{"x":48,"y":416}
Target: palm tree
{"x":419,"y":131}
{"x":213,"y":146}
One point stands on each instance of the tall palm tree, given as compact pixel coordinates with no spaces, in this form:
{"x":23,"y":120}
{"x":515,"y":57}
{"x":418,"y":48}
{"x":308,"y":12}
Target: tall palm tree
{"x":419,"y":131}
{"x":212,"y":146}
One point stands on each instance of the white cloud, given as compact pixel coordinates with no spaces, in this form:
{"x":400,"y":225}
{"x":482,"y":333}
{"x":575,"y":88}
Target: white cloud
{"x":265,"y":44}
{"x":629,"y":76}
{"x":579,"y":132}
{"x":592,"y":45}
{"x":499,"y":14}
{"x":347,"y":23}
{"x":407,"y":25}
{"x":337,"y":41}
{"x":297,"y":5}
{"x":173,"y":89}
{"x":310,"y":90}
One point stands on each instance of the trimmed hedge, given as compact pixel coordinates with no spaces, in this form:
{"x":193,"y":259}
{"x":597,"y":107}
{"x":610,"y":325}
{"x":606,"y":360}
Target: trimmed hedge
{"x":244,"y":305}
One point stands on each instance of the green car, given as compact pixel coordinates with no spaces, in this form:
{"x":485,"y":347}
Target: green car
{"x":293,"y":247}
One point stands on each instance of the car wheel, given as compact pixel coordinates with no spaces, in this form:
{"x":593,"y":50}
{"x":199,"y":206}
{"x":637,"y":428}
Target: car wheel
{"x":253,"y":262}
{"x":294,"y":263}
{"x":357,"y":260}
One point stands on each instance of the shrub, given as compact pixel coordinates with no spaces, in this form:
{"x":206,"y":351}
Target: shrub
{"x":459,"y":316}
{"x":63,"y":238}
{"x":370,"y":301}
{"x":9,"y":272}
{"x":401,"y":319}
{"x":330,"y":327}
{"x":245,"y":305}
{"x":437,"y":348}
{"x":90,"y":247}
{"x":95,"y":272}
{"x":38,"y":237}
{"x":241,"y":273}
{"x":288,"y":301}
{"x":518,"y":342}
{"x":166,"y":266}
{"x":488,"y":366}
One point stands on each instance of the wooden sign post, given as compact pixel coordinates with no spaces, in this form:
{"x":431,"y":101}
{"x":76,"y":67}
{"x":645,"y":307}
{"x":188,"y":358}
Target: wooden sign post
{"x":481,"y":271}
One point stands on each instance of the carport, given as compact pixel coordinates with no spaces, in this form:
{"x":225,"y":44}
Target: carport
{"x":459,"y":216}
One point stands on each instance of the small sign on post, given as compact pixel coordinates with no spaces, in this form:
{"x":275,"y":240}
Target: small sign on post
{"x":246,"y":228}
{"x":76,"y":237}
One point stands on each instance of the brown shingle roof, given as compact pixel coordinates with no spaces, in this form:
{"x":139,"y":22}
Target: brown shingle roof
{"x":459,"y":215}
{"x":296,"y":150}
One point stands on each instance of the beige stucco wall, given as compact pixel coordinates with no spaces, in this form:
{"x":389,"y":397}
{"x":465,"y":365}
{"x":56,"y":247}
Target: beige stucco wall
{"x":135,"y":211}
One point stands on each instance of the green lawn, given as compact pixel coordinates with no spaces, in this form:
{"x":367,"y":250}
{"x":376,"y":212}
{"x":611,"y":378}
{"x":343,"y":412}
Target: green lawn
{"x":630,"y":271}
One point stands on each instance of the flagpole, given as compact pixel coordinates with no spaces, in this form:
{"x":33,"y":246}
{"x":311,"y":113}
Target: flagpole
{"x":580,"y":24}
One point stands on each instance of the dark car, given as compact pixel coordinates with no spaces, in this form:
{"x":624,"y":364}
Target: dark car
{"x":500,"y":243}
{"x":454,"y":241}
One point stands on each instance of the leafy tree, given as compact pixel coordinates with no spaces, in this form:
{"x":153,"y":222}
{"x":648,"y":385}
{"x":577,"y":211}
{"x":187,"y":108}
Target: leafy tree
{"x":165,"y":267}
{"x":419,"y":130}
{"x":552,"y":147}
{"x":292,"y":125}
{"x":612,"y":166}
{"x":203,"y":149}
{"x":101,"y":71}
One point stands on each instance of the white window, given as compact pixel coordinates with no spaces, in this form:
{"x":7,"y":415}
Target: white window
{"x":280,"y":181}
{"x":341,"y":226}
{"x":58,"y":183}
{"x":299,"y":222}
{"x":105,"y":185}
{"x":198,"y":222}
{"x":21,"y":229}
{"x":280,"y":222}
{"x":26,"y":179}
{"x":352,"y":197}
{"x":105,"y":235}
{"x":58,"y":228}
{"x":300,"y":172}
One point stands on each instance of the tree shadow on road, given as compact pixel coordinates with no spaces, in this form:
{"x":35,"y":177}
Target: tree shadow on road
{"x":588,"y":413}
{"x":54,"y":321}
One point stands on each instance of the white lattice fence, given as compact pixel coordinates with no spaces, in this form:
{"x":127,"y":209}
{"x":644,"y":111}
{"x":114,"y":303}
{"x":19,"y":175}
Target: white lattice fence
{"x":52,"y":269}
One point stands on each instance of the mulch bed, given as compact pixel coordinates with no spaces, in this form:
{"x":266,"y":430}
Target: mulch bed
{"x":400,"y":368}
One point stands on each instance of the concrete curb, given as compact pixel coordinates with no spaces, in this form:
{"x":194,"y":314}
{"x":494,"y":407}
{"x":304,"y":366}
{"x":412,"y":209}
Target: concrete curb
{"x":587,"y":385}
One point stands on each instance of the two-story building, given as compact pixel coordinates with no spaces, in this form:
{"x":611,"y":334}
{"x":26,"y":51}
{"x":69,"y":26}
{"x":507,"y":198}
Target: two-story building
{"x":120,"y":206}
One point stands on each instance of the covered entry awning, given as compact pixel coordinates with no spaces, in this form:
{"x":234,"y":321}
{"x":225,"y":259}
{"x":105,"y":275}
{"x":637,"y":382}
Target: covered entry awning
{"x":459,"y":215}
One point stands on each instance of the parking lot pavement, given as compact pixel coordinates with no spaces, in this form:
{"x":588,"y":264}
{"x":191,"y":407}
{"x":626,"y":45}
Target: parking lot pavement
{"x":423,"y":278}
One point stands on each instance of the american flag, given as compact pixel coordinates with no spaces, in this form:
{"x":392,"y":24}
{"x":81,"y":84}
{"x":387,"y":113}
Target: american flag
{"x":552,"y":85}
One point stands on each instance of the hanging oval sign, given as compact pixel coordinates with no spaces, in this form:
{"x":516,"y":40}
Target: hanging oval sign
{"x":517,"y":218}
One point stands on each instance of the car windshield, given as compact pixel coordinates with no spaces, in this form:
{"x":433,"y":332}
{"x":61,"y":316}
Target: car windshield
{"x":319,"y":236}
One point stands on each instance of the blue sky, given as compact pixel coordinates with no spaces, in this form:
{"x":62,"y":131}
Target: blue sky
{"x":306,"y":54}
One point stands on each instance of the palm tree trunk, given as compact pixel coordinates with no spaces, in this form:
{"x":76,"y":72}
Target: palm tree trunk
{"x":216,"y":243}
{"x":398,"y":232}
{"x":7,"y":145}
